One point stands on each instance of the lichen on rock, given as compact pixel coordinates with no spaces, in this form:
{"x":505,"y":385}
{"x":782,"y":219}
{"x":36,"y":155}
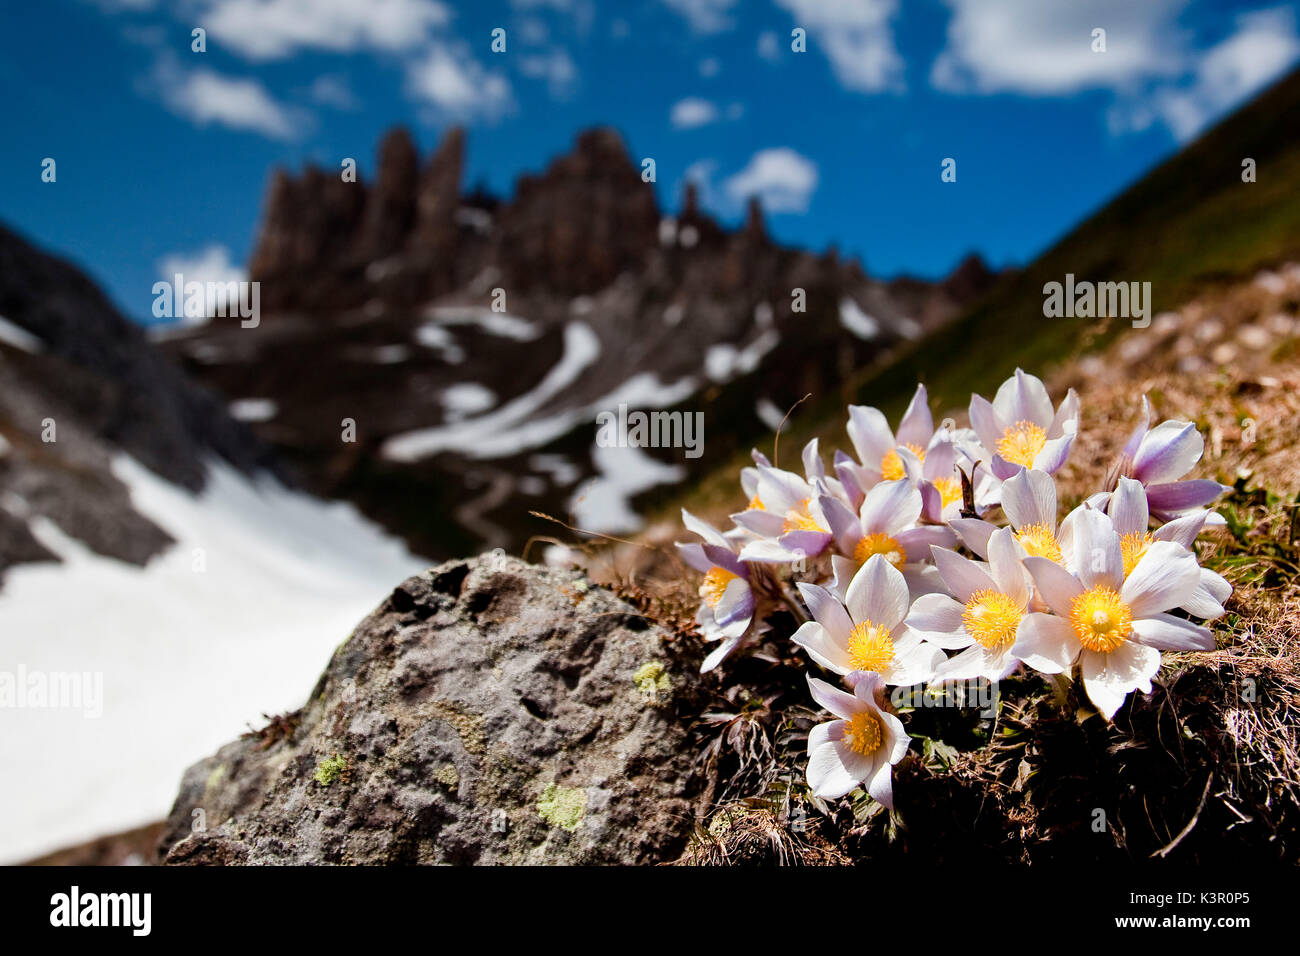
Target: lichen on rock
{"x":562,"y":807}
{"x":456,"y":708}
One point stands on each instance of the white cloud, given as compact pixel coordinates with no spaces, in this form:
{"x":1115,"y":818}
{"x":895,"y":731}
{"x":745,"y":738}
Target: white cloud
{"x":274,"y":29}
{"x":692,"y":112}
{"x":1262,"y":48}
{"x":333,"y":91}
{"x":556,"y":67}
{"x":782,"y":179}
{"x":704,"y":16}
{"x":710,"y":67}
{"x":211,"y":264}
{"x":856,"y":36}
{"x":1037,"y":48}
{"x":457,"y":86}
{"x":205,"y":97}
{"x":769,"y":45}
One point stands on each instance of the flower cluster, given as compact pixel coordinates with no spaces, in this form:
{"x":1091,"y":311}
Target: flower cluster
{"x":874,"y":547}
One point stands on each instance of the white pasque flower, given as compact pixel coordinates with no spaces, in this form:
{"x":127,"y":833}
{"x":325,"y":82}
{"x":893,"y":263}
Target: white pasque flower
{"x":727,"y":601}
{"x":866,"y":632}
{"x":985,"y":615}
{"x":1113,"y":625}
{"x":860,"y":746}
{"x":1029,"y":502}
{"x":1128,"y":510}
{"x":886,"y":524}
{"x":1021,"y":429}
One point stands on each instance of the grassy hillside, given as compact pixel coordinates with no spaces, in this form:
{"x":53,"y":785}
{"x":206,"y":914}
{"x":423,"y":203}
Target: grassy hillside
{"x":1188,"y":225}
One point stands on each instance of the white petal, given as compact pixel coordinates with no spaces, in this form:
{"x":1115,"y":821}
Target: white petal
{"x":1165,"y":577}
{"x":878,"y":594}
{"x":1030,"y":498}
{"x":813,"y":638}
{"x":1046,"y":643}
{"x":839,"y":703}
{"x":1055,"y":585}
{"x":1168,"y":633}
{"x":1128,"y":507}
{"x":963,"y":576}
{"x":1098,"y":558}
{"x":1109,"y":678}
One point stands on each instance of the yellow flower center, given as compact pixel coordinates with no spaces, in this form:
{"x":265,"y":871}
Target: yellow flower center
{"x":863,"y":733}
{"x":991,"y":617}
{"x":871,"y":647}
{"x":756,"y":504}
{"x":1133,"y":545}
{"x":880,"y":543}
{"x":1102,"y":621}
{"x":891,"y":466}
{"x":1021,"y":443}
{"x":1039,"y":540}
{"x":715,"y":584}
{"x":949,"y":491}
{"x":798,"y":518}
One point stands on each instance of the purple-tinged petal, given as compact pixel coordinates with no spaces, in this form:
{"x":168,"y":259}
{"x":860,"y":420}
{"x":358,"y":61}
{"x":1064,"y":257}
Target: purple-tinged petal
{"x":1054,"y":453}
{"x":812,"y":461}
{"x":963,"y":576}
{"x":939,"y":620}
{"x":1139,"y":431}
{"x":827,"y":611}
{"x":1055,"y":585}
{"x":1128,"y":507}
{"x":870,"y":434}
{"x":1098,"y":557}
{"x":1066,"y":420}
{"x":1184,"y":529}
{"x":1030,"y":498}
{"x":765,"y":524}
{"x":878,"y":594}
{"x":974,"y":533}
{"x":890,"y":507}
{"x":839,"y":703}
{"x":844,"y":524}
{"x":916,"y":542}
{"x":694,"y":555}
{"x":702,"y":528}
{"x":1168,"y":452}
{"x":917,"y":425}
{"x":1024,"y":398}
{"x":984,"y":419}
{"x":1171,"y":500}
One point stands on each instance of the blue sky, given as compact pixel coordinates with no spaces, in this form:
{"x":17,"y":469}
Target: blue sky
{"x":163,"y":153}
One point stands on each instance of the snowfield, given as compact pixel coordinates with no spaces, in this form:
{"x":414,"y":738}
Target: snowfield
{"x":237,"y":619}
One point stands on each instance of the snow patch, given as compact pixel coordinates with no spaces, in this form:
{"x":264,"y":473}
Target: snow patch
{"x":501,"y":324}
{"x":19,"y":338}
{"x":253,"y":409}
{"x":467,"y":398}
{"x":236,"y":620}
{"x":856,"y":321}
{"x":604,"y":502}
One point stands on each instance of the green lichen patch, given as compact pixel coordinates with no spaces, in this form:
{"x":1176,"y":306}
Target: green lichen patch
{"x":448,"y":776}
{"x":330,"y":769}
{"x":562,"y":807}
{"x":652,"y":680}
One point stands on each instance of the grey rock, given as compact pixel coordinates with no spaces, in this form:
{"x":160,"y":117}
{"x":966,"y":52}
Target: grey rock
{"x":489,"y":712}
